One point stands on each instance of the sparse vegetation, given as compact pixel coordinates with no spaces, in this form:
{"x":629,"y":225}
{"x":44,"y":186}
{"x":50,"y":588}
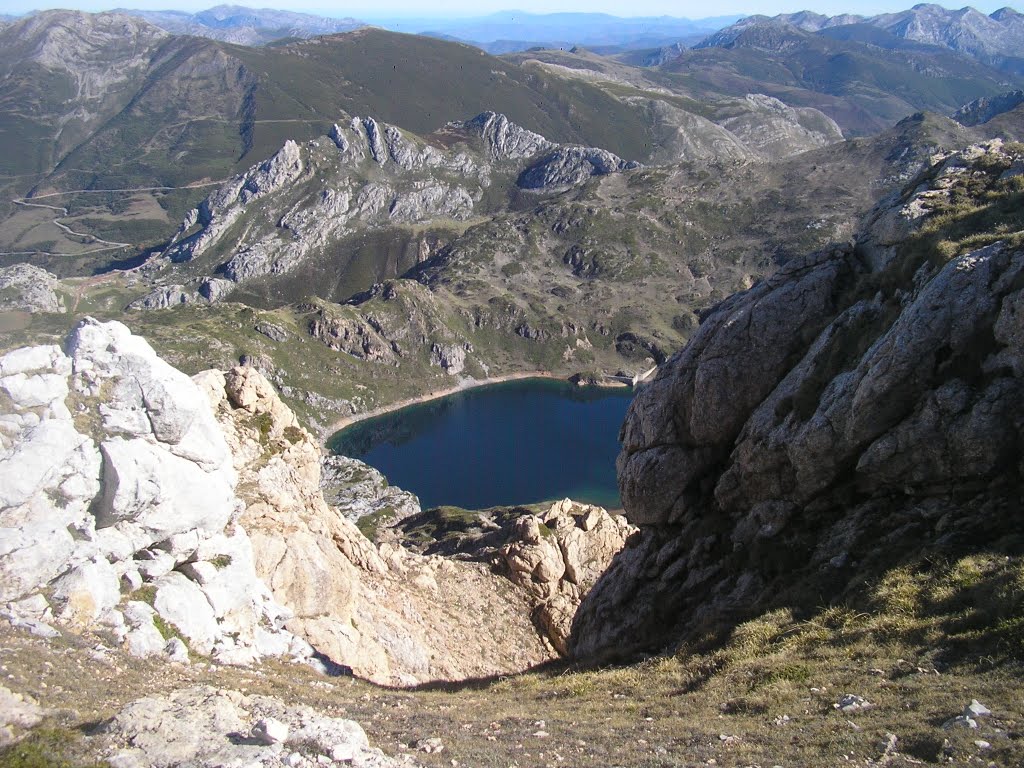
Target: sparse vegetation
{"x":980,"y":208}
{"x":48,"y":746}
{"x":923,"y":640}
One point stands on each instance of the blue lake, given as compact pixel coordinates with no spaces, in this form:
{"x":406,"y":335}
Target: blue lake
{"x":517,"y":442}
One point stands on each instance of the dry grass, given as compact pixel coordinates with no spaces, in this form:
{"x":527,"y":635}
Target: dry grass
{"x":925,"y":642}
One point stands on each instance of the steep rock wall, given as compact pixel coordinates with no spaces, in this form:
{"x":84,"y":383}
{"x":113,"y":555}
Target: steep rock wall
{"x":860,"y":406}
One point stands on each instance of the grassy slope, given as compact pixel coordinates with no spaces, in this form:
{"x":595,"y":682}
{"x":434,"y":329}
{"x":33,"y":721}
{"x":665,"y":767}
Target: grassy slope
{"x":226,"y":107}
{"x":863,"y":88}
{"x":922,"y":642}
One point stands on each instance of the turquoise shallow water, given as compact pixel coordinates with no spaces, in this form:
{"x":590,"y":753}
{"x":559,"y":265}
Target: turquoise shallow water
{"x":517,"y":442}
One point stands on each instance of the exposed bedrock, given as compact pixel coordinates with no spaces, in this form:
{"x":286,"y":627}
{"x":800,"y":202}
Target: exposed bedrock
{"x":858,"y":408}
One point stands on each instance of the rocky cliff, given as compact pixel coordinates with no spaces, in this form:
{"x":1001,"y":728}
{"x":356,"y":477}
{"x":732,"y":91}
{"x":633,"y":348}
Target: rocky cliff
{"x":984,"y":109}
{"x":857,"y":409}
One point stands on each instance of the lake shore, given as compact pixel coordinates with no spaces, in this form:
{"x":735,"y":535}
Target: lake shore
{"x":462,"y":386}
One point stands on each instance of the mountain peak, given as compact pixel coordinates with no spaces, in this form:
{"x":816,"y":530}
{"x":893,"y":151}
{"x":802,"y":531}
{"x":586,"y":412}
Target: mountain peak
{"x":1005,"y":13}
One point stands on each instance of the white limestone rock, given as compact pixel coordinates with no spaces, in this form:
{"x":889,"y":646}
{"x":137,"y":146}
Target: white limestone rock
{"x":162,"y":298}
{"x":87,"y":592}
{"x":143,"y":639}
{"x":17,"y":713}
{"x":160,"y":494}
{"x":29,"y":288}
{"x":200,"y":726}
{"x":270,"y":731}
{"x":176,"y":651}
{"x":182,"y":603}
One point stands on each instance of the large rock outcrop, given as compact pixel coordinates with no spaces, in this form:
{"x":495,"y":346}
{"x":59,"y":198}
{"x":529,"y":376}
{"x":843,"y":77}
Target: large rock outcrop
{"x":29,"y":289}
{"x":857,"y":407}
{"x":557,"y":558}
{"x":118,"y":505}
{"x":188,"y":515}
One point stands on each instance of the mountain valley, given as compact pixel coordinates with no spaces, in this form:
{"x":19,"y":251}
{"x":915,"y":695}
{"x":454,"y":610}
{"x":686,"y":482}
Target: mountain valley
{"x":801,"y":239}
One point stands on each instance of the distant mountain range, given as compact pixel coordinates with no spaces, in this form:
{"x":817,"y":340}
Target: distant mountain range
{"x":511,"y":31}
{"x":996,"y":39}
{"x":504,"y":32}
{"x":359,"y":191}
{"x":245,"y":26}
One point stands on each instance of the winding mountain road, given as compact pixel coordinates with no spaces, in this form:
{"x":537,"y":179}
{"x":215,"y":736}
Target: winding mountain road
{"x":106,"y":245}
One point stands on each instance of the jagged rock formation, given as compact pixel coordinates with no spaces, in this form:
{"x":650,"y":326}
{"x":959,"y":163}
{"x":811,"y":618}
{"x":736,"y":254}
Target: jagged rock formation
{"x":858,"y":406}
{"x":569,"y":166}
{"x":555,"y":554}
{"x":29,"y":289}
{"x":390,"y":616}
{"x":118,"y":503}
{"x":558,"y":557}
{"x":203,"y":726}
{"x":376,"y":175}
{"x":358,"y":490}
{"x":164,"y":297}
{"x":504,"y":139}
{"x":984,"y":109}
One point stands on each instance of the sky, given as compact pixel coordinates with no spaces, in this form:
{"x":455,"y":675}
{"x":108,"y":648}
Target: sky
{"x":365,"y":9}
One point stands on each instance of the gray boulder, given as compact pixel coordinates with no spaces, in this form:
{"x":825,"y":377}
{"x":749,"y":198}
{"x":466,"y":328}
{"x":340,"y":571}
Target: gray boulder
{"x":569,"y":166}
{"x":164,"y":297}
{"x":27,"y":288}
{"x":203,"y":726}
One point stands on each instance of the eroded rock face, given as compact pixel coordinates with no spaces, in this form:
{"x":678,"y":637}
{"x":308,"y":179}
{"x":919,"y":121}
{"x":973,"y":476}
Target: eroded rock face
{"x":569,"y":166}
{"x":118,"y":489}
{"x":358,"y":490}
{"x":368,"y":175}
{"x":162,"y":298}
{"x":388,"y":615}
{"x":504,"y":139}
{"x":558,"y":557}
{"x":857,"y":406}
{"x":188,"y":515}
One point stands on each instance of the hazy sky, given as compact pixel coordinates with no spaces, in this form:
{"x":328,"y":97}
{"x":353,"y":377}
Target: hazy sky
{"x":417,"y":8}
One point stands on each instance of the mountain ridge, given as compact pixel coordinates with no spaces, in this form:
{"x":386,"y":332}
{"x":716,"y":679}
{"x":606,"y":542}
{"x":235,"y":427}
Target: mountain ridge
{"x":244,"y":26}
{"x":996,"y":39}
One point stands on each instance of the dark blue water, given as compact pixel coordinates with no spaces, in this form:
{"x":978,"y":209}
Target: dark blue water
{"x":513,"y":443}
